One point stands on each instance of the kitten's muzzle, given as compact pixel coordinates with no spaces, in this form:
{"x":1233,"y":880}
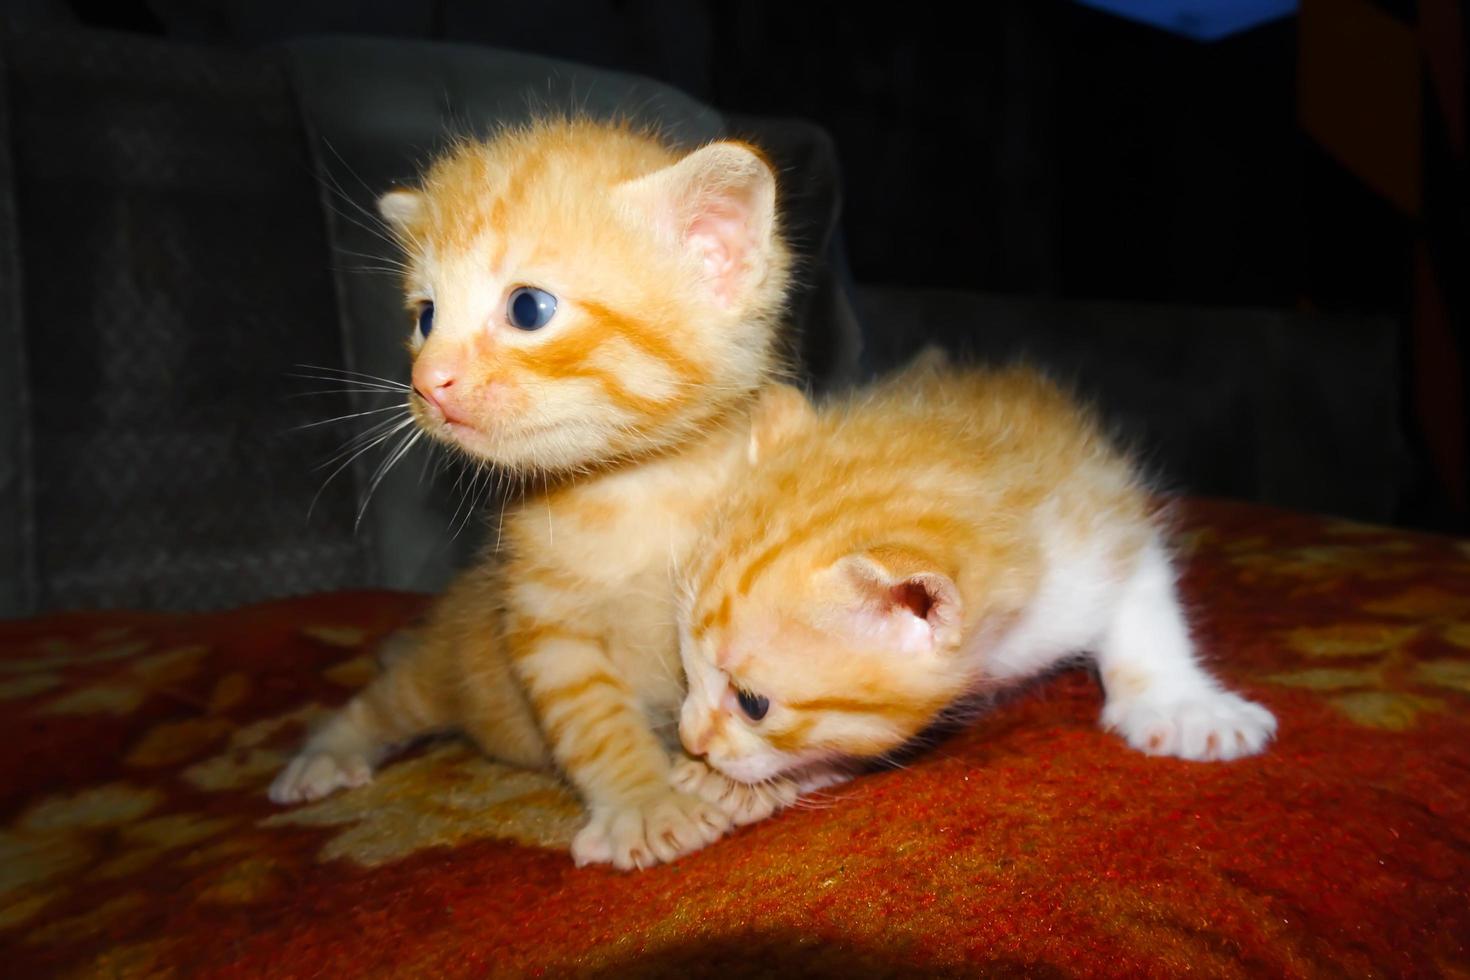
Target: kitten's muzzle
{"x":435,"y":380}
{"x":440,"y":403}
{"x":692,"y":733}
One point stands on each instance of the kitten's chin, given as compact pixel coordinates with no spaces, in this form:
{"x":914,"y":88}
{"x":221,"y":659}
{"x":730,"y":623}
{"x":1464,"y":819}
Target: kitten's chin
{"x":546,"y":446}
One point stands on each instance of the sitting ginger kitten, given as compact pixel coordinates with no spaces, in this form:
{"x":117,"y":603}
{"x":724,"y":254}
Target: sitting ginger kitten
{"x":945,"y":534}
{"x":595,"y":311}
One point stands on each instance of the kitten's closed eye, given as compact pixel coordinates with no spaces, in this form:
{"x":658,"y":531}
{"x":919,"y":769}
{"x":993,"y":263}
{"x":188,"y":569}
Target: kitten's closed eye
{"x":755,"y":706}
{"x":530,"y":308}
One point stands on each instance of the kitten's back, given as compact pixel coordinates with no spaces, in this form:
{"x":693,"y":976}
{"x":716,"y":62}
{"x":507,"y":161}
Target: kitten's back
{"x":968,"y":454}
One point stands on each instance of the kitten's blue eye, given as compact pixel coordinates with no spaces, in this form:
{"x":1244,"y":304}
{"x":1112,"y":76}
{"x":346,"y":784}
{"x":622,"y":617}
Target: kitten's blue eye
{"x":754,"y":705}
{"x":530,"y":308}
{"x":426,"y":320}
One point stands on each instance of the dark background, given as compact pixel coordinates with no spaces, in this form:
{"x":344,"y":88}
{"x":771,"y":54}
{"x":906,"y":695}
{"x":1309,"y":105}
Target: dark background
{"x":1029,"y":146}
{"x":1032,"y":146}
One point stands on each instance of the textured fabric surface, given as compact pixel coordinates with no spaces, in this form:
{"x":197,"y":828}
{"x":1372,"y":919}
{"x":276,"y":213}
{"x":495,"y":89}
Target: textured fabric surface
{"x":136,"y":839}
{"x":175,"y":272}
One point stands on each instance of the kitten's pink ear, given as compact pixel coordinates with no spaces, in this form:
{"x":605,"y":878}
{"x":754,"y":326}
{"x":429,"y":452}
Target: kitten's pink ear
{"x":402,"y":209}
{"x":718,"y":203}
{"x":780,"y":412}
{"x":905,"y":601}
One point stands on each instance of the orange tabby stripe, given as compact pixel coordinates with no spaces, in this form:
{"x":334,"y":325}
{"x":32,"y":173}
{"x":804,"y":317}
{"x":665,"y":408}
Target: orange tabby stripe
{"x":715,"y":617}
{"x":497,"y":222}
{"x":563,"y":360}
{"x":633,"y":773}
{"x":793,"y":737}
{"x":808,"y":528}
{"x":468,"y":218}
{"x":856,"y":706}
{"x":525,"y":637}
{"x":551,"y":577}
{"x":567,"y":357}
{"x":576,"y":689}
{"x":559,"y":730}
{"x":616,"y":742}
{"x":654,"y":343}
{"x":764,"y":559}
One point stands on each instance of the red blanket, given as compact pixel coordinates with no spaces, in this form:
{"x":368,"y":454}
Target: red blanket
{"x":136,"y":839}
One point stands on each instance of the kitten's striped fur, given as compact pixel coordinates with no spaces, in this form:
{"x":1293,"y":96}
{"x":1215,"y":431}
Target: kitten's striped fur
{"x":946,"y":533}
{"x":628,"y":409}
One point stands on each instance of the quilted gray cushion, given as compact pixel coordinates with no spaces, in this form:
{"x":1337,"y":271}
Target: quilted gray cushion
{"x":170,"y":255}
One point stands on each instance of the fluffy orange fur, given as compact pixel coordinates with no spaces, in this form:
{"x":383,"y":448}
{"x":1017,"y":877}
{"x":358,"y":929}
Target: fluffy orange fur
{"x":905,"y":547}
{"x":630,"y":406}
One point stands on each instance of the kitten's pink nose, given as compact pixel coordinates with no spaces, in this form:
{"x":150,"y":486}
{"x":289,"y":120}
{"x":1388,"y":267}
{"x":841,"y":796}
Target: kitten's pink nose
{"x":434,"y":382}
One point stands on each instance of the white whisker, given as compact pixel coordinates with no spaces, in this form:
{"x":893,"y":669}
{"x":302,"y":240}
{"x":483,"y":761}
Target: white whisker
{"x":392,"y":460}
{"x":347,"y":462}
{"x":347,"y":391}
{"x":373,"y":434}
{"x":342,"y":374}
{"x":353,"y":415}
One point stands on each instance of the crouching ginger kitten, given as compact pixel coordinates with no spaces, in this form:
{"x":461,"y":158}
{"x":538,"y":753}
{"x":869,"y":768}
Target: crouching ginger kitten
{"x":947,"y":534}
{"x":596,"y":311}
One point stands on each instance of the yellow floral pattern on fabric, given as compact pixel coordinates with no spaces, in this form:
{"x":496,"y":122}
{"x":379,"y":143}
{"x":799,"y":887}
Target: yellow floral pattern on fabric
{"x":1391,"y":710}
{"x":352,"y":673}
{"x":254,"y":752}
{"x":336,"y":636}
{"x":13,"y":689}
{"x":60,"y":835}
{"x":1379,"y":682}
{"x":1368,"y":665}
{"x":61,"y":847}
{"x":1349,"y":639}
{"x":443,"y":797}
{"x":1451,"y":674}
{"x":1319,"y":562}
{"x":127,"y":689}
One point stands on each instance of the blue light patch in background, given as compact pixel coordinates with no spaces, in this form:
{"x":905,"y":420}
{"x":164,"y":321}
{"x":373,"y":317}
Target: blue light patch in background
{"x":1202,"y":20}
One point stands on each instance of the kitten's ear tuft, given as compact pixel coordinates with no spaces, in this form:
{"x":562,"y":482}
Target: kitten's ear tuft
{"x":719,"y":204}
{"x":781,"y":412}
{"x":904,"y":599}
{"x":402,"y":209}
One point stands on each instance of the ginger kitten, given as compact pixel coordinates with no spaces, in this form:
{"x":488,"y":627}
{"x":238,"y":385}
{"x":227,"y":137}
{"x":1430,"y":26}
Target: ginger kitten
{"x":945,"y":534}
{"x":596,"y":311}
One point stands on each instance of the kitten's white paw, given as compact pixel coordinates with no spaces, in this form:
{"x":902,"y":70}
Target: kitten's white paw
{"x":314,"y":774}
{"x":1206,"y":726}
{"x":655,"y":831}
{"x":743,"y":803}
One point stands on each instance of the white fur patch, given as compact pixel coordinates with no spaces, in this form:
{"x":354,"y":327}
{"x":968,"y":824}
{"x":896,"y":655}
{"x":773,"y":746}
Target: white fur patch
{"x":1159,"y":698}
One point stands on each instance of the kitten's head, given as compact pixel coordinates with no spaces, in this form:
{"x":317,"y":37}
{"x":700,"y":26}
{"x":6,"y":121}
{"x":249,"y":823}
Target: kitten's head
{"x":811,"y":643}
{"x":580,"y":292}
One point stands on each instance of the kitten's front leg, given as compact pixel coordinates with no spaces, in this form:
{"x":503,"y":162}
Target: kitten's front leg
{"x":606,"y":747}
{"x":406,"y":700}
{"x":1157,"y":696}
